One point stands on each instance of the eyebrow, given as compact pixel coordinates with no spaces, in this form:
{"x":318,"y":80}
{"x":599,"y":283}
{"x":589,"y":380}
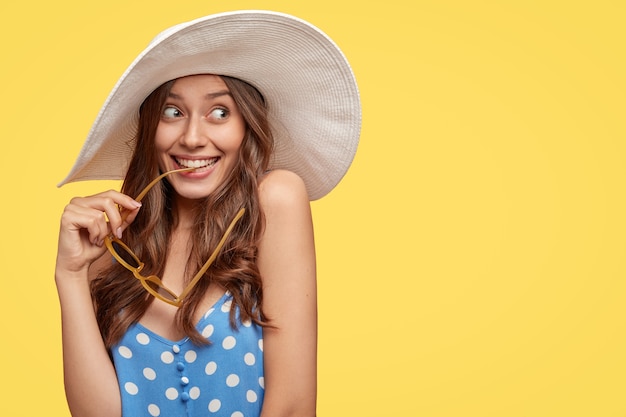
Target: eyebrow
{"x":209,"y":96}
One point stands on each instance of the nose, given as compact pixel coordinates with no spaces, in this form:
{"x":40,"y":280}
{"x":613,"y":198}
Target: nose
{"x":195,"y":134}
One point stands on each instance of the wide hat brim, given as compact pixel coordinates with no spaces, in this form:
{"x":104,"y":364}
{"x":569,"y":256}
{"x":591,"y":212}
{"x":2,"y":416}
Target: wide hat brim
{"x":309,"y":87}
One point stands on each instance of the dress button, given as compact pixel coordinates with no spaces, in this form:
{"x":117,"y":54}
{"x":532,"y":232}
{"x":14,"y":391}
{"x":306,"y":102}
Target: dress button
{"x":176,"y":348}
{"x":180,"y":366}
{"x":184,"y":381}
{"x":184,"y":396}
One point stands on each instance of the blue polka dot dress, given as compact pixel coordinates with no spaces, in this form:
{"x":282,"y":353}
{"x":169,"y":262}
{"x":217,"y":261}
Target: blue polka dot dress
{"x":159,"y":377}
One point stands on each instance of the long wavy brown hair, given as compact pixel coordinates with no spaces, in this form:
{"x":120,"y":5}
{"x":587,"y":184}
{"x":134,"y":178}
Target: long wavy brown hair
{"x":119,"y":298}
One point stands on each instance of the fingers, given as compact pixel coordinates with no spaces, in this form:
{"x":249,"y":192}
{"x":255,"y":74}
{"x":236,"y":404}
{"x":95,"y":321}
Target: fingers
{"x":86,"y":222}
{"x":102,"y":214}
{"x":120,"y":210}
{"x":128,"y":216}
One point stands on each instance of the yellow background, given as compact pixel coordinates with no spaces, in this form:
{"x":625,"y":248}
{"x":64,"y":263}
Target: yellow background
{"x":471,"y":263}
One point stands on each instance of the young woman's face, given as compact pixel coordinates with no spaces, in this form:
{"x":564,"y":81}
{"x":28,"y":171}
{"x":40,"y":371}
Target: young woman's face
{"x":201,"y":127}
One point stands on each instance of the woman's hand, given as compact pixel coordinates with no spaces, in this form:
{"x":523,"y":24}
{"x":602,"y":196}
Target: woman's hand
{"x":86,"y":221}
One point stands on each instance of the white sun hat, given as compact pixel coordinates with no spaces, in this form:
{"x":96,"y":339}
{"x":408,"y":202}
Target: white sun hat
{"x":307,"y":83}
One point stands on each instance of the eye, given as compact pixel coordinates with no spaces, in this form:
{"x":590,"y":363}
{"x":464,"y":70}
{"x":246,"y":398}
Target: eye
{"x":219,"y":113}
{"x":170,"y":112}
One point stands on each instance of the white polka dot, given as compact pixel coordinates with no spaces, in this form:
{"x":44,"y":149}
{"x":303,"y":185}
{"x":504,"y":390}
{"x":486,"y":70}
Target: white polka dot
{"x":262,"y":382}
{"x":232,"y":380}
{"x":194,"y":393}
{"x":247,"y":323}
{"x":154,"y":410}
{"x":171,"y":393}
{"x":249,"y":359}
{"x":149,"y":374}
{"x":210,"y":368}
{"x":131,"y":388}
{"x":226,"y":306}
{"x":208,"y":331}
{"x":167,"y":357}
{"x":251,"y":396}
{"x":208,"y":313}
{"x":261,"y":344}
{"x":215,"y":405}
{"x":143,"y":338}
{"x":125,"y":352}
{"x":191,"y":356}
{"x":237,"y":414}
{"x":229,"y":342}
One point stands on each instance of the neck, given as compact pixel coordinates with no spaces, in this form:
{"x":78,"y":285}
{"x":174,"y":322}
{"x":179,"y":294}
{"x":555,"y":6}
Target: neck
{"x":185,"y":210}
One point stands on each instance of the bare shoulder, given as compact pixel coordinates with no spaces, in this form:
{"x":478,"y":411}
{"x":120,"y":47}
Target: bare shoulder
{"x":288,"y":220}
{"x":282,"y":190}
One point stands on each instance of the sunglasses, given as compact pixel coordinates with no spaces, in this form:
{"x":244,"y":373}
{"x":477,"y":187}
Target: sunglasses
{"x":153,"y":284}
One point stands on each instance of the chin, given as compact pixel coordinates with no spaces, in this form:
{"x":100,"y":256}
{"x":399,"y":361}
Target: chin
{"x":195,"y":190}
{"x":194,"y":195}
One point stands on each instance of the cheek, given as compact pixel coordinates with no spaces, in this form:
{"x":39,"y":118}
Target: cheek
{"x":239,"y":132}
{"x":237,"y":143}
{"x":164,"y":137}
{"x":236,"y":131}
{"x":231,"y":139}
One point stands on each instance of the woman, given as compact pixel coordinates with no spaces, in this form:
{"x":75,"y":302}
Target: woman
{"x":205,"y":301}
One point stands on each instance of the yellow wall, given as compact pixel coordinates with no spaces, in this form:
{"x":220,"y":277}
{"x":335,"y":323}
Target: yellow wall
{"x":471,"y":263}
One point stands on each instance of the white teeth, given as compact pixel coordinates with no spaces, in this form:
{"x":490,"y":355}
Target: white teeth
{"x":196,"y":163}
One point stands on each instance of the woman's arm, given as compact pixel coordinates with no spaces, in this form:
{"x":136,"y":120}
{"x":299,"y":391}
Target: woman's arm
{"x":90,"y":381}
{"x":287,"y":265}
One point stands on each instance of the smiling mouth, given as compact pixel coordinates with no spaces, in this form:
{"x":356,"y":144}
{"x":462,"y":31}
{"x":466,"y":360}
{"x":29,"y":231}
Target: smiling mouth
{"x":198,"y":164}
